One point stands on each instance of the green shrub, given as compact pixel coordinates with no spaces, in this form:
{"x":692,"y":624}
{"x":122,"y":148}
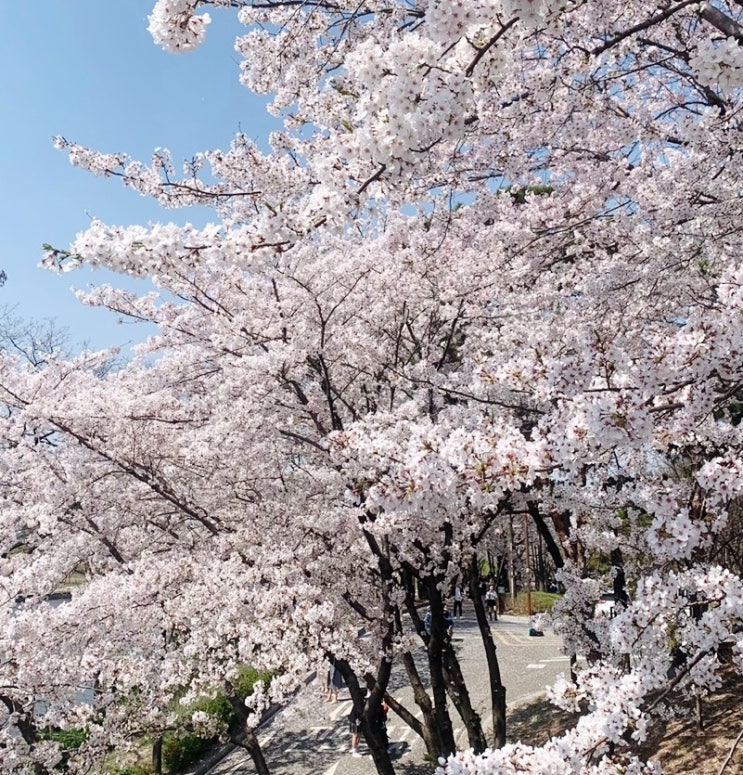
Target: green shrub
{"x":182,"y":749}
{"x":247,"y":679}
{"x":217,"y":707}
{"x":69,"y":740}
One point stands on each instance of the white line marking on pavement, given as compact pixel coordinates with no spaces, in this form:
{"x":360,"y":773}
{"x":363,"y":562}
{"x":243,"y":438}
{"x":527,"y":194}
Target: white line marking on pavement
{"x":535,"y":667}
{"x":402,"y":735}
{"x":556,"y":659}
{"x":267,"y":739}
{"x":344,"y":707}
{"x":332,"y":770}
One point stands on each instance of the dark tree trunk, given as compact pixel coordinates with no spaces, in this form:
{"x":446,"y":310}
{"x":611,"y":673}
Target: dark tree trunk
{"x":26,"y":726}
{"x":373,"y":729}
{"x":427,"y":729}
{"x":157,"y":755}
{"x":248,"y":740}
{"x":372,"y":719}
{"x":497,"y":690}
{"x":370,"y":707}
{"x":24,"y":721}
{"x":460,"y":696}
{"x":546,"y":535}
{"x":253,"y":747}
{"x":435,"y":647}
{"x":620,"y":583}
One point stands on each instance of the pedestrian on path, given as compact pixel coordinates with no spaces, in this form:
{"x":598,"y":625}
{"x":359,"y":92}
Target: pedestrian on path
{"x":335,"y":683}
{"x":491,"y":601}
{"x":354,"y":727}
{"x":448,"y":622}
{"x":458,"y":601}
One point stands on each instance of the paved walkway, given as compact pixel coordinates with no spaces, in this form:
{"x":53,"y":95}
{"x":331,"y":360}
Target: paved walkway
{"x":310,"y":736}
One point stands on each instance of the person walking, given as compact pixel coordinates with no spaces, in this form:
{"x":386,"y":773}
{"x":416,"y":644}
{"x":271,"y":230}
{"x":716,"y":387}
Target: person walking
{"x":354,"y":727}
{"x":491,"y":601}
{"x":334,"y":684}
{"x":458,"y":601}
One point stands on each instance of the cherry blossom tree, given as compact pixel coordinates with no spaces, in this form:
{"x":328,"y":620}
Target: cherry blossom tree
{"x":489,"y":267}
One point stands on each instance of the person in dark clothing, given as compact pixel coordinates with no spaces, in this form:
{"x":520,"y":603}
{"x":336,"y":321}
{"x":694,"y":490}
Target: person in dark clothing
{"x":458,"y":601}
{"x":334,"y":683}
{"x":354,"y":727}
{"x":448,"y":622}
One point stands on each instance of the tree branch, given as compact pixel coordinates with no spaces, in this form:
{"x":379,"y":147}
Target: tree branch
{"x":651,"y":22}
{"x":720,"y":21}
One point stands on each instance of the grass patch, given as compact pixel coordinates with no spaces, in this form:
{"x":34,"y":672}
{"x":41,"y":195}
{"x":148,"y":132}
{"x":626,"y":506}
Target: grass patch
{"x":541,"y":602}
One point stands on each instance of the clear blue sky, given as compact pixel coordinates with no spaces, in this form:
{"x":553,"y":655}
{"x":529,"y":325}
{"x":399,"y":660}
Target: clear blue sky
{"x":88,"y":70}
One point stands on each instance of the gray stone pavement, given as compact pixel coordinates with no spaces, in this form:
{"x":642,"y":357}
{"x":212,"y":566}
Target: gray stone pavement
{"x":310,"y":736}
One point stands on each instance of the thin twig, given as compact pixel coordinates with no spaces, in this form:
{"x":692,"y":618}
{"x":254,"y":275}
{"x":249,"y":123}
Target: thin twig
{"x":729,"y":757}
{"x":484,"y":49}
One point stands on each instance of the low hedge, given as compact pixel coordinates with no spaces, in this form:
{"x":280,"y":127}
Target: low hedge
{"x":182,"y":748}
{"x":69,"y":740}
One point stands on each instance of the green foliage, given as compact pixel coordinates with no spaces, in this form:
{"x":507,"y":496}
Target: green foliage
{"x":599,"y":565}
{"x":519,"y":193}
{"x":217,"y":707}
{"x":247,"y":679}
{"x":132,"y":770}
{"x":69,"y":740}
{"x":181,"y":749}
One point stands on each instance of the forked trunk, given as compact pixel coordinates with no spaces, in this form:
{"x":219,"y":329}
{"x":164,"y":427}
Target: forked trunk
{"x":253,"y":747}
{"x":372,"y":716}
{"x":373,"y":729}
{"x":427,"y":729}
{"x":460,"y":696}
{"x":248,"y":740}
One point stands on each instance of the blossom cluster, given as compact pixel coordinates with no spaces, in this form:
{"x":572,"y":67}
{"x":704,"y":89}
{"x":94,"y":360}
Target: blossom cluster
{"x":176,"y":27}
{"x":719,"y":63}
